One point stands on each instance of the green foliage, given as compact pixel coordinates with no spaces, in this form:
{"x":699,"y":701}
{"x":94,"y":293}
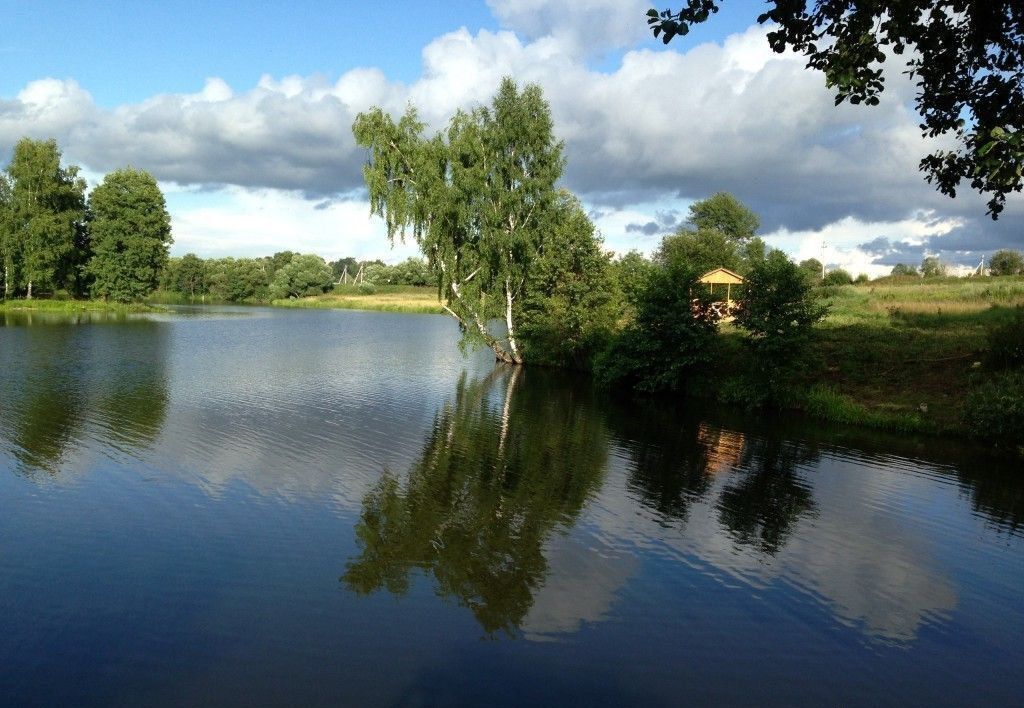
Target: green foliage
{"x":668,"y":342}
{"x":1006,"y":343}
{"x":278,"y":261}
{"x":862,"y":279}
{"x":778,"y":312}
{"x":131,"y":233}
{"x":570,"y":308}
{"x":700,"y":250}
{"x":477,"y":200}
{"x":302,"y":275}
{"x":837,"y":277}
{"x":724,"y":213}
{"x":42,"y":228}
{"x":904,"y":269}
{"x":631,"y":274}
{"x":237,"y":279}
{"x":932,"y":267}
{"x":1007,"y":262}
{"x":347,"y":267}
{"x":994,"y":409}
{"x":366,"y":288}
{"x":191,"y":275}
{"x":812,"y":269}
{"x":967,"y":58}
{"x":722,"y":237}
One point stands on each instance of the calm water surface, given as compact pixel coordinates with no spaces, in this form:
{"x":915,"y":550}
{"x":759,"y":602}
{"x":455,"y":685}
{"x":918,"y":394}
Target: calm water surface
{"x":250,"y":506}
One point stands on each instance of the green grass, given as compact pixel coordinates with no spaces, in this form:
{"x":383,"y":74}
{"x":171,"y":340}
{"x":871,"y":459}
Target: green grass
{"x":389,"y":298}
{"x":47,"y":305}
{"x":901,"y":352}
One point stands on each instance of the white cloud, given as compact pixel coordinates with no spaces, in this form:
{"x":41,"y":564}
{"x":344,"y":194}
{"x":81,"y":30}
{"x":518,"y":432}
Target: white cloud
{"x":663,"y":127}
{"x":257,"y":222}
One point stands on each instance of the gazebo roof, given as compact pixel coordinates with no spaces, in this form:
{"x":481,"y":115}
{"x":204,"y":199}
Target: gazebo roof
{"x":721,"y":276}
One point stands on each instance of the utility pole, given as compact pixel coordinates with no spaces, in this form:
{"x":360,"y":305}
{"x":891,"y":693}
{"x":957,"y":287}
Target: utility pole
{"x":823,"y":244}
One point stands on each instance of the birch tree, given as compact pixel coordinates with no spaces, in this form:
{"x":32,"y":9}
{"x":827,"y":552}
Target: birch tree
{"x":7,"y":241}
{"x":47,"y":210}
{"x":476,"y":199}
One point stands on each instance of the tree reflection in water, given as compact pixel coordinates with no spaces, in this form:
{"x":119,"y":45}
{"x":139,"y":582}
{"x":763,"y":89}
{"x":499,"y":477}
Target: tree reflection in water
{"x":762,"y":508}
{"x":495,"y":478}
{"x":109,"y":378}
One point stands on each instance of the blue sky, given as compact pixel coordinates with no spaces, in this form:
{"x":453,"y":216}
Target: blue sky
{"x":244,"y":117}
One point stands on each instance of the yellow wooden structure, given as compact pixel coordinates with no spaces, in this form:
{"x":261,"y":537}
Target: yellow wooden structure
{"x":722,"y":276}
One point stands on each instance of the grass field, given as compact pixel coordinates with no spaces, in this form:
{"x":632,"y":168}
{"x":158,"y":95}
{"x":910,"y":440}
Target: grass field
{"x":46,"y":305}
{"x":901,"y":352}
{"x":388,"y":298}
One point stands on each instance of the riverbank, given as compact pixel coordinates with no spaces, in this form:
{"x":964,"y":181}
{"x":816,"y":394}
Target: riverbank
{"x":45,"y":305}
{"x":387,"y":298}
{"x":899,"y":354}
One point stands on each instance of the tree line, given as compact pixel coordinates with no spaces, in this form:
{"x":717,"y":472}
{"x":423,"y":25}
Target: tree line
{"x":286,"y":274}
{"x":112,"y":243}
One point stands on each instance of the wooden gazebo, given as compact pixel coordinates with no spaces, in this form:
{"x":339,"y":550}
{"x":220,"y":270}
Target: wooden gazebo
{"x":722,"y":276}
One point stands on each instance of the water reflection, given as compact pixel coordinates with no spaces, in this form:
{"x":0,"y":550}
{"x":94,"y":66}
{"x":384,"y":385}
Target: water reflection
{"x":504,"y":465}
{"x":65,"y":385}
{"x":764,"y":504}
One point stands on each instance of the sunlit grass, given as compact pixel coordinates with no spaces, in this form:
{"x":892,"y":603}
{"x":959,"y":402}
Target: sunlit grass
{"x":411,"y":299}
{"x":900,"y":352}
{"x":47,"y":305}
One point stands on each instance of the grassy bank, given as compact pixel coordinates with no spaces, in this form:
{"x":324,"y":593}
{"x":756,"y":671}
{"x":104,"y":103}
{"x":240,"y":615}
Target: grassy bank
{"x":902,"y":353}
{"x":57,"y":306}
{"x":388,"y":298}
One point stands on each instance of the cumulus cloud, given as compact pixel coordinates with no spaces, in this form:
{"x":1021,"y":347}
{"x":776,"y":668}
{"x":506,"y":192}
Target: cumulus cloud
{"x":676,"y":124}
{"x":585,"y":26}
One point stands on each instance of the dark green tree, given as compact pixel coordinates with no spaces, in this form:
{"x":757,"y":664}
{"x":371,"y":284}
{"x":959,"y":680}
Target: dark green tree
{"x":632,"y":271}
{"x":904,"y":269}
{"x":670,"y":339}
{"x":237,"y":279}
{"x":700,"y":250}
{"x":724,"y":213}
{"x":967,"y":59}
{"x":131,"y":234}
{"x":1007,"y":262}
{"x":813,"y":269}
{"x":46,"y":213}
{"x":778,"y":312}
{"x":191,"y":275}
{"x":570,"y":309}
{"x":303,"y":275}
{"x":477,"y":200}
{"x":278,"y":261}
{"x":837,"y":276}
{"x":345,"y":266}
{"x":932,"y":267}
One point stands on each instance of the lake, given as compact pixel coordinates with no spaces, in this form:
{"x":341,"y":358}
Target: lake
{"x":239,"y":506}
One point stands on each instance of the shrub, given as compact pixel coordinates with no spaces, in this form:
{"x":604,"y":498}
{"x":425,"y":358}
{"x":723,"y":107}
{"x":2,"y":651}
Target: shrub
{"x":1006,"y":343}
{"x":366,"y":288}
{"x":778,"y":311}
{"x":994,"y":409}
{"x":668,"y":341}
{"x":837,"y":277}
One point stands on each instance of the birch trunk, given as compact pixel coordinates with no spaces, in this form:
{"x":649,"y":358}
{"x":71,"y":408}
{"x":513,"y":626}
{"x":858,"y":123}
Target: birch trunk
{"x":516,"y":358}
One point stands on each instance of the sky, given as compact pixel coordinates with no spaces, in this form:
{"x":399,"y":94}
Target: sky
{"x":245,"y":119}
